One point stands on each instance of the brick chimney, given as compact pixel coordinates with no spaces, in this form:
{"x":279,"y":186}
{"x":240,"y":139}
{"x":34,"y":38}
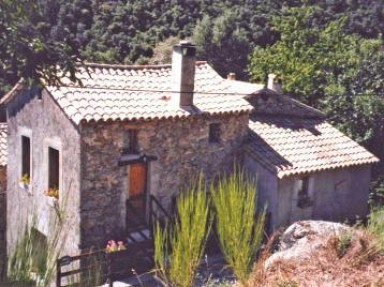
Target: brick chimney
{"x":274,"y":84}
{"x":183,"y":73}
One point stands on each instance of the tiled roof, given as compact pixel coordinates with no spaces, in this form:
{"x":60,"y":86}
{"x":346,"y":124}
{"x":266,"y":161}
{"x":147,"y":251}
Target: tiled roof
{"x":289,"y":145}
{"x":3,"y":144}
{"x":118,"y":92}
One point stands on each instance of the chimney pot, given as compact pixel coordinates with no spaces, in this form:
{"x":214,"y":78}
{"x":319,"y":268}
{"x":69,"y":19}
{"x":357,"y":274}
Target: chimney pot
{"x":273,"y":83}
{"x":183,"y":73}
{"x":231,"y":76}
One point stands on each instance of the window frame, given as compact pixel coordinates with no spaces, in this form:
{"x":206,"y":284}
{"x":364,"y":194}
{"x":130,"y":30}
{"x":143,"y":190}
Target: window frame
{"x":26,"y":163}
{"x":25,"y":132}
{"x":214,"y":133}
{"x":304,"y":194}
{"x":54,"y":162}
{"x":131,"y":141}
{"x":54,"y":143}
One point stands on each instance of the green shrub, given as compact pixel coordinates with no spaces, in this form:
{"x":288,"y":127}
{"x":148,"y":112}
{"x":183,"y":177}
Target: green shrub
{"x":239,"y":228}
{"x":179,"y":248}
{"x":343,"y":243}
{"x":376,"y":225}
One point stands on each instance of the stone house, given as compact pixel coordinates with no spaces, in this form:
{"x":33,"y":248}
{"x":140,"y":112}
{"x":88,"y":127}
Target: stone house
{"x":130,"y":134}
{"x":304,"y":167}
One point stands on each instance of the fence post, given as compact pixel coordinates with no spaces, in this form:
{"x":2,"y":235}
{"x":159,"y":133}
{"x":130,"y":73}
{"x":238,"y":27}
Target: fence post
{"x":58,"y":273}
{"x":110,"y":269}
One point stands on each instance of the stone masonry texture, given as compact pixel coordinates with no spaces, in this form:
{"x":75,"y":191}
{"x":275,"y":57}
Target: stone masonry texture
{"x":3,"y":181}
{"x":182,"y":149}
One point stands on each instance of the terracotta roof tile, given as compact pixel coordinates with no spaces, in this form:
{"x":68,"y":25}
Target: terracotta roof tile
{"x":288,"y":146}
{"x":3,"y":144}
{"x":111,"y":92}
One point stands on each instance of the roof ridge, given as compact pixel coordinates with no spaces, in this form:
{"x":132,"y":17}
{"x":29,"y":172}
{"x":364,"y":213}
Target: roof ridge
{"x":133,"y":66}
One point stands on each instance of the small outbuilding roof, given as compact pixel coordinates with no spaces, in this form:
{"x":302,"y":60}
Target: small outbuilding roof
{"x":288,"y":145}
{"x":122,"y":92}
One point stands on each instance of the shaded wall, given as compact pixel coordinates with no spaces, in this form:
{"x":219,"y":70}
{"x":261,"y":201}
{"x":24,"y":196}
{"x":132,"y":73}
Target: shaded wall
{"x":47,"y":126}
{"x":266,"y":183}
{"x":337,"y":195}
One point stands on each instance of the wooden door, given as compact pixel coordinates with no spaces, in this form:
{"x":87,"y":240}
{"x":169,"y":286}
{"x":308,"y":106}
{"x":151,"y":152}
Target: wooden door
{"x":137,"y":185}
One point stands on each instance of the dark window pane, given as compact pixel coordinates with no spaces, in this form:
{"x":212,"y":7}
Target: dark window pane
{"x":53,"y":168}
{"x":214,"y":133}
{"x":304,"y":199}
{"x":26,"y":156}
{"x":131,"y":145}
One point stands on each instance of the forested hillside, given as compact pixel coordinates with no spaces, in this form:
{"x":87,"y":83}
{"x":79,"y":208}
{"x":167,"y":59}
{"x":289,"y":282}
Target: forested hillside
{"x":225,"y":31}
{"x":328,"y":53}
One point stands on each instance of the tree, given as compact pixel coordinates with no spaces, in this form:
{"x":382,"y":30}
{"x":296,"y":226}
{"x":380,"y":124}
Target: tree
{"x":223,"y":43}
{"x":329,"y":69}
{"x":27,"y":49}
{"x":226,"y":36}
{"x":162,"y":53}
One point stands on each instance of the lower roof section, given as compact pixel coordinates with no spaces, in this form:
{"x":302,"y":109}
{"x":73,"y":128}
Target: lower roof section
{"x":290,"y":145}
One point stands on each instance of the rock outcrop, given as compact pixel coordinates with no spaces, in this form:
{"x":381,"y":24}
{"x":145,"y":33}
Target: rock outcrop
{"x":303,"y":238}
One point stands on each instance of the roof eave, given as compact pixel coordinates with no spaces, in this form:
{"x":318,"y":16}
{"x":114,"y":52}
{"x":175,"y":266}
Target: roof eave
{"x":286,"y":173}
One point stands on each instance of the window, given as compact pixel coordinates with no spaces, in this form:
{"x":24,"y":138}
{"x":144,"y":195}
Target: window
{"x":131,"y":145}
{"x":53,"y":168}
{"x":25,"y":158}
{"x":303,"y":198}
{"x":214,"y":133}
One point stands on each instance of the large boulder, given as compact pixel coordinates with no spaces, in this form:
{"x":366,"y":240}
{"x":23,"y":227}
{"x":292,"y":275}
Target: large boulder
{"x":303,"y":239}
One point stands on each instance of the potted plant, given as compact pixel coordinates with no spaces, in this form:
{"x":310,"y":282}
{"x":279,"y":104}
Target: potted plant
{"x":25,"y":180}
{"x":116,"y":257}
{"x":52,"y":195}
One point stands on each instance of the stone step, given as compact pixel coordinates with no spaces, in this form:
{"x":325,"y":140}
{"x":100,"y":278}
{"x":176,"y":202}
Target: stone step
{"x":138,"y":236}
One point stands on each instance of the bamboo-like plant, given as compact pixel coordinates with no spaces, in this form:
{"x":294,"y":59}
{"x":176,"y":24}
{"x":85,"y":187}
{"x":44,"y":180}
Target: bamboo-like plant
{"x":179,"y":248}
{"x":239,"y":227}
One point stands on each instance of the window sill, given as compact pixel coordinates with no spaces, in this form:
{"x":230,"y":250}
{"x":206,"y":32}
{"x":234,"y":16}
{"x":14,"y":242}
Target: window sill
{"x":52,"y":201}
{"x":26,"y":187}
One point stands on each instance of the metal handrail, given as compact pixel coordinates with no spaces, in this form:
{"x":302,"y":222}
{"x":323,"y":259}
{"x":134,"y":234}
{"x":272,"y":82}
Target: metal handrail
{"x":158,"y":205}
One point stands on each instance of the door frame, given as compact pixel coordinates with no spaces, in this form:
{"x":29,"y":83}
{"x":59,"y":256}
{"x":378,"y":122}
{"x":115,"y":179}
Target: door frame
{"x":146,"y":188}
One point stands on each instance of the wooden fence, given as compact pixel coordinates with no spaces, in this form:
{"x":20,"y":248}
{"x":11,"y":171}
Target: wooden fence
{"x":98,"y":267}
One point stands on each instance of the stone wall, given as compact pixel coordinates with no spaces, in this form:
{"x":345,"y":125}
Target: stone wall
{"x":3,"y":222}
{"x":182,"y":150}
{"x":47,"y":126}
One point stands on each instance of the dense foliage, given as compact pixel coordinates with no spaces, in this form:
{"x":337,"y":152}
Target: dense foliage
{"x":36,"y":36}
{"x":326,"y":67}
{"x":328,"y":52}
{"x":27,"y":48}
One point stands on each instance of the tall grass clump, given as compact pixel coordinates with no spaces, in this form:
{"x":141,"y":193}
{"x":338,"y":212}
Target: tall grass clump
{"x":239,"y":227}
{"x":179,"y":248}
{"x":33,"y":263}
{"x":19,"y":264}
{"x":33,"y":260}
{"x":376,"y":225}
